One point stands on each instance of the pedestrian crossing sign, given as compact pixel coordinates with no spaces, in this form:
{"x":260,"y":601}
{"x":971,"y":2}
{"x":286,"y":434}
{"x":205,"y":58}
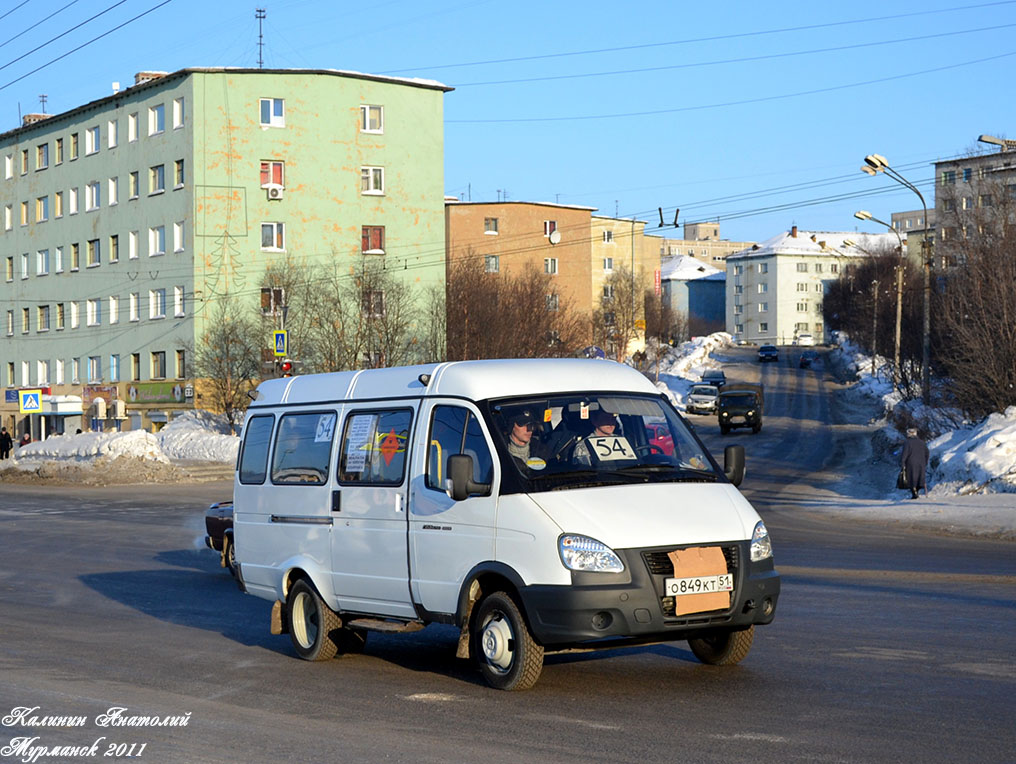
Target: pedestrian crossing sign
{"x":30,"y":401}
{"x":281,"y":343}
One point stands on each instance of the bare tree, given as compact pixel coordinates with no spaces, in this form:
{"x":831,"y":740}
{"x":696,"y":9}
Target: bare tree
{"x":227,"y":357}
{"x":614,"y":322}
{"x":499,"y":315}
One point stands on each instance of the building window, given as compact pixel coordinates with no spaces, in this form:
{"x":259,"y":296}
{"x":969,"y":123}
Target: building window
{"x":132,"y":127}
{"x":42,"y":318}
{"x":608,"y":264}
{"x":178,"y":173}
{"x":181,"y":364}
{"x":948,"y":177}
{"x":58,"y":204}
{"x":24,"y":161}
{"x":114,"y":310}
{"x":156,"y":119}
{"x":93,"y":312}
{"x":8,"y":217}
{"x":273,"y":237}
{"x":490,"y":225}
{"x":42,"y":370}
{"x":549,"y":226}
{"x":763,"y":327}
{"x":92,"y":140}
{"x":550,"y":265}
{"x":133,"y":185}
{"x":178,"y":236}
{"x":132,"y":304}
{"x":763,"y":307}
{"x":8,"y":166}
{"x":60,"y":316}
{"x":738,"y":270}
{"x":114,"y":367}
{"x":159,"y":364}
{"x":178,"y":113}
{"x":273,"y":300}
{"x":802,"y":287}
{"x":608,"y":291}
{"x":42,"y":209}
{"x":72,"y":201}
{"x":372,"y":239}
{"x":373,"y":303}
{"x":74,"y":147}
{"x":10,"y":323}
{"x":112,"y":133}
{"x":273,"y":173}
{"x":157,"y":241}
{"x":42,"y":156}
{"x":59,"y":371}
{"x":763,"y":267}
{"x":608,"y":237}
{"x":609,"y":318}
{"x":42,"y":262}
{"x":834,"y":268}
{"x":114,"y":191}
{"x":818,"y":267}
{"x":24,"y":265}
{"x":156,"y":179}
{"x":135,"y":366}
{"x":156,"y":303}
{"x":75,"y":370}
{"x":372,"y":180}
{"x":75,"y":256}
{"x":114,"y":248}
{"x":985,"y":200}
{"x":24,"y":213}
{"x":492,"y":263}
{"x":25,"y":320}
{"x":75,"y":314}
{"x":178,"y":302}
{"x":372,"y":119}
{"x":10,"y":267}
{"x":93,"y":255}
{"x":273,"y":112}
{"x":968,"y":173}
{"x":738,"y":289}
{"x":93,"y":196}
{"x":763,"y":287}
{"x":738,"y":309}
{"x":552,"y":302}
{"x":802,"y":307}
{"x":802,"y":267}
{"x":132,"y":245}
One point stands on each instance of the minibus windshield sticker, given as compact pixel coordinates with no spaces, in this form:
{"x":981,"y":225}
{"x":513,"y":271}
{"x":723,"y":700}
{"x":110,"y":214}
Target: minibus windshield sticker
{"x":390,"y":446}
{"x":610,"y":448}
{"x":325,"y":428}
{"x":357,"y":443}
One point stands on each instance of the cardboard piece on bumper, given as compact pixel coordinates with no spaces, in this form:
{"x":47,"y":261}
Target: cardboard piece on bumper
{"x":699,"y":561}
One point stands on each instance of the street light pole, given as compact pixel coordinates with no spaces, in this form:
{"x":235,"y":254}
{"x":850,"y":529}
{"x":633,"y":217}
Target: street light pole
{"x":865,"y":215}
{"x":874,"y":164}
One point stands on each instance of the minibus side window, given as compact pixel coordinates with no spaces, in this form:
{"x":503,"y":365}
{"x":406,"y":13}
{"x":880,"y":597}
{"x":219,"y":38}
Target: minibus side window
{"x":374,"y":446}
{"x":302,"y":447}
{"x":254,"y":455}
{"x":454,"y":430}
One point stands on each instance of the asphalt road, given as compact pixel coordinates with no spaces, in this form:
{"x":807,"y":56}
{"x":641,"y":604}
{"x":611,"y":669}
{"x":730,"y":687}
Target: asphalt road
{"x":886,"y":646}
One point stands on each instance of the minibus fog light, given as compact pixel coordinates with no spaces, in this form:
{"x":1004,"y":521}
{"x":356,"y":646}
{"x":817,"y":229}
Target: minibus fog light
{"x":586,"y":554}
{"x":761,"y":546}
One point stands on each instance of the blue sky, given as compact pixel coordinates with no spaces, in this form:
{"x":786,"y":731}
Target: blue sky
{"x":756,"y":114}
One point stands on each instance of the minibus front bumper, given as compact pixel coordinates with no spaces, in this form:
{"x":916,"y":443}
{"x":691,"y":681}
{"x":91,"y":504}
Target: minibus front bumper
{"x":632,"y":604}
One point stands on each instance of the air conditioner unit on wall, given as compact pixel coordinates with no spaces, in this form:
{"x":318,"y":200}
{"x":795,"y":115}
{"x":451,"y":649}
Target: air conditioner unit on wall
{"x":275,"y":191}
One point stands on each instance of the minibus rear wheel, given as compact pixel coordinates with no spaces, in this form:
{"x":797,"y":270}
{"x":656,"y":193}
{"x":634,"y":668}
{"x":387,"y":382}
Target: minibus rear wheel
{"x":311,"y":623}
{"x":508,"y":656}
{"x":723,"y":648}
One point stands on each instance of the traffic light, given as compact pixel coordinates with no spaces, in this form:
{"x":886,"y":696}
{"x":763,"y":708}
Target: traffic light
{"x":285,"y":368}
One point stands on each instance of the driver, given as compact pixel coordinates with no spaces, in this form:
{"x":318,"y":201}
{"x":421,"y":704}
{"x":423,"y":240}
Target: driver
{"x":604,"y":425}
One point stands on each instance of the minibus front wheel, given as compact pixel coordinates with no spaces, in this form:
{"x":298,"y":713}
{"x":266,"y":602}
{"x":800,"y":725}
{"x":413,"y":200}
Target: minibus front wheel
{"x":508,"y":656}
{"x":311,"y":623}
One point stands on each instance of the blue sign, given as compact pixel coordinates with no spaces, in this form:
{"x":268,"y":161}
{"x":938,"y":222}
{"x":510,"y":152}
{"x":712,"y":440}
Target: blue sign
{"x":10,"y":396}
{"x":30,"y":401}
{"x":281,"y":343}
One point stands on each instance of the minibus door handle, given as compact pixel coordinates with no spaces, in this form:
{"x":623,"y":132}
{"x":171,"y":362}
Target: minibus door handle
{"x":336,"y":501}
{"x":398,"y":502}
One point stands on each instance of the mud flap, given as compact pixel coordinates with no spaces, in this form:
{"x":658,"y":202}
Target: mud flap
{"x":278,"y":625}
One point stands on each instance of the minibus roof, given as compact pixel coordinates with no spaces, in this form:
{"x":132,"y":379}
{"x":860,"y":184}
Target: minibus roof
{"x":474,"y":380}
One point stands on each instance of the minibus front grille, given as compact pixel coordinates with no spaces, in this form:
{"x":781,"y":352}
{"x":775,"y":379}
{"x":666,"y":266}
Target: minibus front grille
{"x":659,"y":565}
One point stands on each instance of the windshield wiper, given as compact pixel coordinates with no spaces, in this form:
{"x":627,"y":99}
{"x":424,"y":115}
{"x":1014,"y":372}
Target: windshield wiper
{"x":684,"y":473}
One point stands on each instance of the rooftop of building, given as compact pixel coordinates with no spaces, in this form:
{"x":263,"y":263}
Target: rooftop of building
{"x":685,"y":268}
{"x":819,"y":243}
{"x":452,"y":201}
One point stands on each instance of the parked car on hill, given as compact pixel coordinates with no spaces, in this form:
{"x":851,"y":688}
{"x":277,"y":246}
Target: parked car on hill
{"x":702,"y":399}
{"x":804,"y":340}
{"x":768,"y":353}
{"x":219,"y":529}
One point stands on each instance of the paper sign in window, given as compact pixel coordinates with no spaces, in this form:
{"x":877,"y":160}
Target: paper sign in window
{"x":358,"y":438}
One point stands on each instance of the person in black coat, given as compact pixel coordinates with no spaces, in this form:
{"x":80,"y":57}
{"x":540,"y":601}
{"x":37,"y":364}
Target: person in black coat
{"x":914,"y":463}
{"x":6,"y":443}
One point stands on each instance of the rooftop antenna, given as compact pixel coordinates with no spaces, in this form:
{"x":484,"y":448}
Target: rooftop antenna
{"x":259,"y":14}
{"x":42,"y":100}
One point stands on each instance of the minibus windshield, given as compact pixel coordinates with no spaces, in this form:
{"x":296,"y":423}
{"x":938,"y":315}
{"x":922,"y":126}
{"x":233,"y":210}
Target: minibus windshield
{"x":580,"y":439}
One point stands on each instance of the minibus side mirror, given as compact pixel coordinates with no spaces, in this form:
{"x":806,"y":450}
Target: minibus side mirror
{"x":460,"y":473}
{"x":733,"y":463}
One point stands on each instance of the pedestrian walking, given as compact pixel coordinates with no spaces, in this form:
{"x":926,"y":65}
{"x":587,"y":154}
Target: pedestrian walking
{"x":914,"y":463}
{"x":6,"y":443}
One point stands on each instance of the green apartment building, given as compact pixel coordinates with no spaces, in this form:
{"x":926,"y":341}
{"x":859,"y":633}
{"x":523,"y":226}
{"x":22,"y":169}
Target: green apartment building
{"x":125,"y":219}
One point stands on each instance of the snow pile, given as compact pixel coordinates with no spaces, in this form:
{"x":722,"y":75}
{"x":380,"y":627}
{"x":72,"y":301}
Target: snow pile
{"x":683,"y":365}
{"x":978,"y":459}
{"x":194,"y":435}
{"x":199,"y":435}
{"x":966,"y":458}
{"x":88,"y":446}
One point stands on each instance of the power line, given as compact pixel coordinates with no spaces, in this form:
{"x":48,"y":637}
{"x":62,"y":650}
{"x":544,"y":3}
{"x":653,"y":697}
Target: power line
{"x":19,"y":5}
{"x":695,"y":40}
{"x":742,"y":102}
{"x":37,"y":23}
{"x":745,"y":59}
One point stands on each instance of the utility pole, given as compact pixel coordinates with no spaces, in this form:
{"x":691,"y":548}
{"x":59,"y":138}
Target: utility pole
{"x":259,"y":14}
{"x":42,"y":100}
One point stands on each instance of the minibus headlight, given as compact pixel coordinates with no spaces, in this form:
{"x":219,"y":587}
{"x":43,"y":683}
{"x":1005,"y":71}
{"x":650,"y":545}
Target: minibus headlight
{"x":589,"y":555}
{"x":761,"y":546}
